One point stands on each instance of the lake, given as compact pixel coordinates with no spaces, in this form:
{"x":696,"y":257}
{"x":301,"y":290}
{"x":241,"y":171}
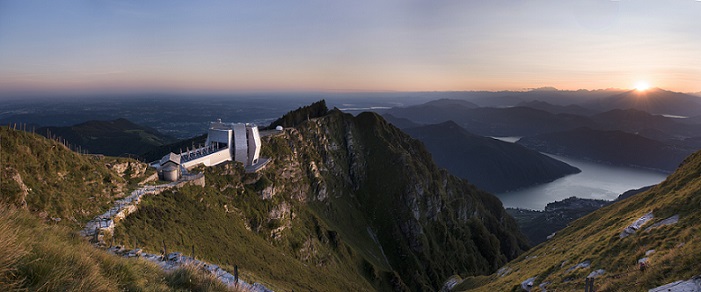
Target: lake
{"x":596,"y":181}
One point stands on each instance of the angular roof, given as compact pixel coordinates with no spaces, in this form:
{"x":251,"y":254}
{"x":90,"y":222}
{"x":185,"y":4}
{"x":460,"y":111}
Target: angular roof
{"x":175,"y":158}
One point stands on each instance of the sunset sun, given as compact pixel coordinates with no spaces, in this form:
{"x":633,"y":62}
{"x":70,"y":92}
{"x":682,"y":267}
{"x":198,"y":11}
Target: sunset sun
{"x":642,"y":86}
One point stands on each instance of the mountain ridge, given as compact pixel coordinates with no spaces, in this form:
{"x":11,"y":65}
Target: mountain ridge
{"x":490,"y":164}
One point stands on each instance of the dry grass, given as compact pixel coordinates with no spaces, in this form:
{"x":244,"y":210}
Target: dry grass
{"x":192,"y":278}
{"x":39,"y":257}
{"x":11,"y":251}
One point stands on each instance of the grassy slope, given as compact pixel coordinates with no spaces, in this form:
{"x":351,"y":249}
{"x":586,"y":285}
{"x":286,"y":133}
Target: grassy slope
{"x":196,"y":216}
{"x":37,"y":256}
{"x":59,"y":183}
{"x":596,"y":237}
{"x":40,"y":257}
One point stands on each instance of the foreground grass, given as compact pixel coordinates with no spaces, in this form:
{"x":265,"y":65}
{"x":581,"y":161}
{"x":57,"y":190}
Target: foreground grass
{"x":50,"y":180}
{"x":39,"y":257}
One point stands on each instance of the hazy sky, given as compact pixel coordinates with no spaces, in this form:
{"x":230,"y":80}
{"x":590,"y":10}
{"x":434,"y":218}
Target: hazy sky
{"x":301,"y":45}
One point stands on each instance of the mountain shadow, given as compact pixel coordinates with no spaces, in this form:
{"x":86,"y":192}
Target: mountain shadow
{"x":118,"y":137}
{"x":490,"y":164}
{"x":613,"y":147}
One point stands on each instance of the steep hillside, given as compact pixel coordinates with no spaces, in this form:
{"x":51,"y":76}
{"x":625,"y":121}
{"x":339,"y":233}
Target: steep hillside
{"x":598,"y":242}
{"x":119,"y":137}
{"x":52,"y":181}
{"x":614,"y":147}
{"x":346,"y":204}
{"x":300,"y":115}
{"x":490,"y":164}
{"x":47,"y":193}
{"x":47,"y":257}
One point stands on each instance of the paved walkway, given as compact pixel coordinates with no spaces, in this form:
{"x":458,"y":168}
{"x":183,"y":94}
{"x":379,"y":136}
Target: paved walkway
{"x":105,"y":222}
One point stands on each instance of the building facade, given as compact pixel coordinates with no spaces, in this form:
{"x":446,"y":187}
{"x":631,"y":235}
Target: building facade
{"x":225,"y":142}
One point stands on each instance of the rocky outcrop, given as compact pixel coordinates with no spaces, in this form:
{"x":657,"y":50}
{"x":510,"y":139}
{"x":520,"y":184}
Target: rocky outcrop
{"x":428,"y":222}
{"x":693,"y":284}
{"x":24,"y":190}
{"x":632,"y":228}
{"x":130,"y":169}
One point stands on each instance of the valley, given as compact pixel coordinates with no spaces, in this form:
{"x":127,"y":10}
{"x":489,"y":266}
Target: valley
{"x":353,"y":198}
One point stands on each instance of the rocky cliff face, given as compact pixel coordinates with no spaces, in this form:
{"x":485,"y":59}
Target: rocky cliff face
{"x":378,"y":186}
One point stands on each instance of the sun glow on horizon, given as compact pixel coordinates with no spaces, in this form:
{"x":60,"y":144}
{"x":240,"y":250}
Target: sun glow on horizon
{"x":642,"y":86}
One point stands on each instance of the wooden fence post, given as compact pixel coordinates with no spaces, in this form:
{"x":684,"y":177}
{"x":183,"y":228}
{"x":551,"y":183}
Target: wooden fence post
{"x":589,"y":285}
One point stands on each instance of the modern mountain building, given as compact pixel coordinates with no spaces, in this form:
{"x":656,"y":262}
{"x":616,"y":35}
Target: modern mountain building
{"x":225,"y":142}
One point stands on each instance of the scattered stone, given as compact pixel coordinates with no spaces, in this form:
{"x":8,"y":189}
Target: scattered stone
{"x":551,"y":235}
{"x":669,"y":221}
{"x":649,"y":252}
{"x":631,"y":229}
{"x":691,"y":285}
{"x":503,"y":271}
{"x":528,"y":284}
{"x":596,"y":273}
{"x":584,"y":264}
{"x":451,"y":283}
{"x":176,"y":260}
{"x":268,"y":193}
{"x":643,"y":260}
{"x":543,"y":285}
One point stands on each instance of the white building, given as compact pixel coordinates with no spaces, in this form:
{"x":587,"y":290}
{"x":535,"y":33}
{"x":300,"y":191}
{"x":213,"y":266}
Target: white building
{"x":169,"y":167}
{"x":225,"y":142}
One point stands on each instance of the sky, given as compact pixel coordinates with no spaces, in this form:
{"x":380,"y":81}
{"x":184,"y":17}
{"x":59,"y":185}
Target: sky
{"x":361,"y":45}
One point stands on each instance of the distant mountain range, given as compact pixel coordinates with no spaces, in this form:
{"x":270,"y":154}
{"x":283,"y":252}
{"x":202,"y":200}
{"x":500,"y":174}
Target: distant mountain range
{"x":490,"y":164}
{"x":630,"y":137}
{"x":614,"y":147}
{"x":557,"y":109}
{"x":512,"y":121}
{"x":654,"y":101}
